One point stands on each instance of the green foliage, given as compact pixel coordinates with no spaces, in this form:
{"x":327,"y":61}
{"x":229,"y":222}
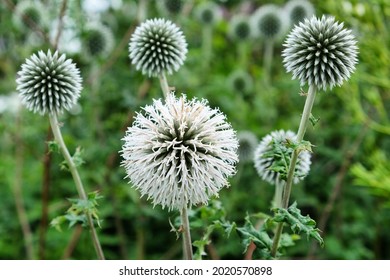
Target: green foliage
{"x":78,"y":211}
{"x":297,"y":222}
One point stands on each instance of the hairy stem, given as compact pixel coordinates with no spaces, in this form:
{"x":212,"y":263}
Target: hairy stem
{"x":187,"y":245}
{"x":76,"y":177}
{"x":290,"y":175}
{"x":278,"y":198}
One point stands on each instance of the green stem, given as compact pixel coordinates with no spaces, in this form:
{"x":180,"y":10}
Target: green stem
{"x":267,"y":60}
{"x":76,"y":177}
{"x":187,"y":245}
{"x":290,"y":176}
{"x":207,"y":40}
{"x":164,"y":84}
{"x":278,"y":198}
{"x":243,"y":54}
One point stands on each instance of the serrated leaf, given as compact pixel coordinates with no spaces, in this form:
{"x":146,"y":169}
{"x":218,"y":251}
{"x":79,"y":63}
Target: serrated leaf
{"x":298,"y":223}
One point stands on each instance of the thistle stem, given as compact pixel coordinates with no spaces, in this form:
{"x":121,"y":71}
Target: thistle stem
{"x":278,"y":198}
{"x":164,"y":84}
{"x":76,"y":177}
{"x":207,"y":41}
{"x":290,"y":175}
{"x":267,"y":60}
{"x":187,"y":245}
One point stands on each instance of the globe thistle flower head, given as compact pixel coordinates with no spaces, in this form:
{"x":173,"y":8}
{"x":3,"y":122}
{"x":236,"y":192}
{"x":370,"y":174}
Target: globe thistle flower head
{"x":208,"y":13}
{"x":27,"y":13}
{"x":247,"y":145}
{"x":240,"y":28}
{"x":179,"y":153}
{"x":172,"y":7}
{"x":99,"y":40}
{"x":269,"y":22}
{"x":298,"y":10}
{"x":320,"y":52}
{"x":272,"y":153}
{"x":241,"y":81}
{"x":49,"y":83}
{"x":157,"y":46}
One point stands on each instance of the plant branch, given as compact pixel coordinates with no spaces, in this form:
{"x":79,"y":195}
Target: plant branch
{"x":60,"y":23}
{"x":76,"y":177}
{"x":164,"y":84}
{"x":290,"y":175}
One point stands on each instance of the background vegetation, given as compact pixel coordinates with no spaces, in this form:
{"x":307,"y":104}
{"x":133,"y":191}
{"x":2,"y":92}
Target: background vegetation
{"x":347,"y":191}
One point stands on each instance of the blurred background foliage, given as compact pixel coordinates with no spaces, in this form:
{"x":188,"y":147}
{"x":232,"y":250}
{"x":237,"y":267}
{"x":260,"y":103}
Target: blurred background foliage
{"x":347,"y":191}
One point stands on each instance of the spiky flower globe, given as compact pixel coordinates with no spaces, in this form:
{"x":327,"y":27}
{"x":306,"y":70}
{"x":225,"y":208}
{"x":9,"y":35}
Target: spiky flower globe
{"x":273,"y":155}
{"x":241,"y":81}
{"x":49,"y":83}
{"x":157,"y":46}
{"x":247,"y":144}
{"x":298,"y":10}
{"x":240,"y":28}
{"x":28,"y":13}
{"x":208,"y":13}
{"x":173,"y":7}
{"x":320,"y":52}
{"x":99,"y":40}
{"x":179,"y":153}
{"x":269,"y":22}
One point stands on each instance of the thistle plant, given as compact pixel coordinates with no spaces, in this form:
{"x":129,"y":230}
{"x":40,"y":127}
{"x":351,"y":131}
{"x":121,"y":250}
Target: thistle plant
{"x":170,"y":7}
{"x":99,"y":40}
{"x":322,"y":53}
{"x":29,"y":14}
{"x":272,"y":160}
{"x":240,"y":30}
{"x":156,"y":48}
{"x":241,"y":82}
{"x":269,"y":24}
{"x":247,"y":141}
{"x":179,"y":154}
{"x":298,"y":10}
{"x":48,"y":84}
{"x":208,"y":14}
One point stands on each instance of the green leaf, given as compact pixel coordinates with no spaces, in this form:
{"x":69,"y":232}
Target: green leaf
{"x":53,"y":146}
{"x":313,"y":120}
{"x":298,"y":223}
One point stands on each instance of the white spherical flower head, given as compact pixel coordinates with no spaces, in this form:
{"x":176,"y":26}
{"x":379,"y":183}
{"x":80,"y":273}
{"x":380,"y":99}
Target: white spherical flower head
{"x":269,"y":22}
{"x":99,"y":40}
{"x":180,"y":153}
{"x":272,"y":152}
{"x":247,"y":145}
{"x":157,"y":46}
{"x":49,"y":83}
{"x":28,"y":13}
{"x":298,"y":10}
{"x":208,"y":13}
{"x":240,"y":28}
{"x":241,"y":81}
{"x":320,"y":52}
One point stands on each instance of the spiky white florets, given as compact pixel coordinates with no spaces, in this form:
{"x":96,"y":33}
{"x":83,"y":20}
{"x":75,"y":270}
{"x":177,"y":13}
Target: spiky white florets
{"x":179,"y":153}
{"x":320,"y":52}
{"x":157,"y":46}
{"x":266,"y":157}
{"x":49,"y":83}
{"x":298,"y":10}
{"x":269,"y":22}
